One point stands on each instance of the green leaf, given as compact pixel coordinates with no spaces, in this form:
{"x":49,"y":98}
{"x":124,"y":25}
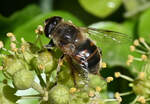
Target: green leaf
{"x":114,"y":53}
{"x":21,"y":17}
{"x":134,"y":7}
{"x":27,"y":100}
{"x":144,"y":26}
{"x":17,"y":19}
{"x":27,"y":31}
{"x":7,"y":97}
{"x":9,"y":93}
{"x":100,"y":8}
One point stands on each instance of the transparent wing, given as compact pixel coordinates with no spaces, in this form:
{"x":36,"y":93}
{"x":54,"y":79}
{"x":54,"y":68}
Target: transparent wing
{"x":107,"y":36}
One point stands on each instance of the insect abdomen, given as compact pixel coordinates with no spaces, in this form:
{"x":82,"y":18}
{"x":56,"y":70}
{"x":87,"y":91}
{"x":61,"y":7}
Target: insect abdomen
{"x":88,"y":56}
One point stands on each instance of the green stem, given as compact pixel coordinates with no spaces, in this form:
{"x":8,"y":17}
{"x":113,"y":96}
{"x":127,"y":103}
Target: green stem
{"x":38,"y":88}
{"x":40,"y":78}
{"x":127,"y":78}
{"x":126,"y":93}
{"x":30,"y":96}
{"x":110,"y":100}
{"x":134,"y":101}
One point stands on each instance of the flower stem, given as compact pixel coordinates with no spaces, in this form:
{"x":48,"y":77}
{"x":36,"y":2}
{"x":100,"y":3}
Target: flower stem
{"x":30,"y":96}
{"x":38,"y":88}
{"x":126,"y":93}
{"x":127,"y":78}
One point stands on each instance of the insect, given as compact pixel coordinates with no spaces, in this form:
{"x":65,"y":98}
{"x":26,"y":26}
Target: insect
{"x":80,"y":51}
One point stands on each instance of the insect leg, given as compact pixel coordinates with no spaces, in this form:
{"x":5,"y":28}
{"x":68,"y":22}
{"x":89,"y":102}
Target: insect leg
{"x":59,"y":65}
{"x":50,"y":44}
{"x":73,"y":69}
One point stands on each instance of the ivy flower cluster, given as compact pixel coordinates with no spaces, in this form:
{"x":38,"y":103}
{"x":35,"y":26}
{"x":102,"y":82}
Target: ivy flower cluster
{"x":25,"y":61}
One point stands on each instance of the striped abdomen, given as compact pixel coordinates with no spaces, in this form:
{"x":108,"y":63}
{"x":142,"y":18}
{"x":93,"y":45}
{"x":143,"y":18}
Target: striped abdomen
{"x":88,"y":56}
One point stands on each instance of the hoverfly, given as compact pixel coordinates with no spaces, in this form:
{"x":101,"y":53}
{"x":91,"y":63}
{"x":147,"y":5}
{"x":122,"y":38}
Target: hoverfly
{"x":80,"y":51}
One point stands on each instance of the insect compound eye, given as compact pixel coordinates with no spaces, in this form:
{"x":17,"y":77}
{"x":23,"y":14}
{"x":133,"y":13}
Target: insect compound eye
{"x":50,"y":25}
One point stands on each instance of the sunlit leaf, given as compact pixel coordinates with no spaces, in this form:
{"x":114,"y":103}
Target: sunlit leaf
{"x":100,"y":8}
{"x":17,"y":19}
{"x":144,"y":24}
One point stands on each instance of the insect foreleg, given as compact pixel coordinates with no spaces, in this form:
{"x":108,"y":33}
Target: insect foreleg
{"x":50,"y":44}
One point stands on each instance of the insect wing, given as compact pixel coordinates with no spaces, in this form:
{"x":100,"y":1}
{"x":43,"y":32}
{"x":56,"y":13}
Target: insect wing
{"x":106,"y":36}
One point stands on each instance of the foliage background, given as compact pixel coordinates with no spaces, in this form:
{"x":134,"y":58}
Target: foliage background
{"x":127,"y":16}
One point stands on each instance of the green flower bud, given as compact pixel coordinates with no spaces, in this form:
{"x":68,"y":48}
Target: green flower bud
{"x":59,"y":95}
{"x":65,"y":76}
{"x":12,"y":65}
{"x":96,"y":81}
{"x":142,"y":87}
{"x":23,"y":79}
{"x":28,"y":50}
{"x":44,"y":61}
{"x":29,"y":47}
{"x":80,"y":97}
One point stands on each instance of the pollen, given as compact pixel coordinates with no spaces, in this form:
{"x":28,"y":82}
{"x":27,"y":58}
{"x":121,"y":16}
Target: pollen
{"x":13,"y":38}
{"x":144,"y":57}
{"x":72,"y":90}
{"x":119,"y":99}
{"x":141,"y":75}
{"x":98,"y":89}
{"x":22,"y":48}
{"x":117,"y":95}
{"x":1,"y":44}
{"x":41,"y":66}
{"x":130,"y":57}
{"x":132,"y":48}
{"x":61,"y":63}
{"x":129,"y":62}
{"x":136,"y":42}
{"x":1,"y":67}
{"x":91,"y":94}
{"x":117,"y":74}
{"x":13,"y":45}
{"x":141,"y":39}
{"x":109,"y":79}
{"x":104,"y":65}
{"x":10,"y":34}
{"x":39,"y":29}
{"x":141,"y":99}
{"x":22,"y":40}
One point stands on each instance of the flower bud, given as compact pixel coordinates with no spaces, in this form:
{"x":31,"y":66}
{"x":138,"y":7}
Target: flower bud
{"x":12,"y":65}
{"x":23,"y":79}
{"x":141,"y":87}
{"x":59,"y":95}
{"x":29,"y":50}
{"x":96,"y":81}
{"x":44,"y":61}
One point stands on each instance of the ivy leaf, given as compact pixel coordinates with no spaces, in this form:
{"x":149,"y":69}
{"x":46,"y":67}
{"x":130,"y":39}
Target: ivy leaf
{"x":7,"y":94}
{"x":134,"y":7}
{"x":100,"y":8}
{"x":144,"y":25}
{"x":17,"y":19}
{"x":28,"y":100}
